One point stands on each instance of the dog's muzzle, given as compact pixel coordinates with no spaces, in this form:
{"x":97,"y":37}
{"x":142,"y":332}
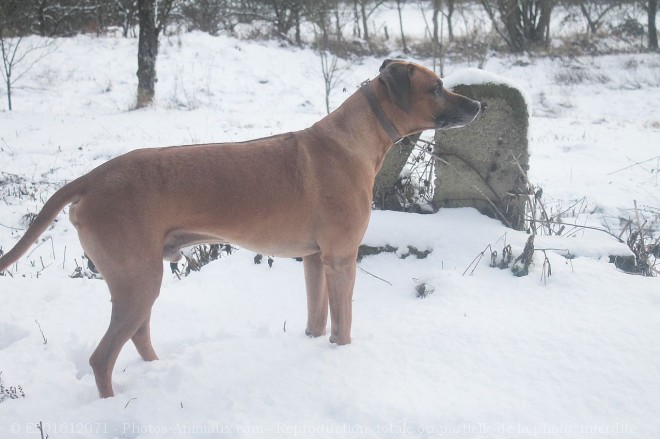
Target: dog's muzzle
{"x":460,"y":115}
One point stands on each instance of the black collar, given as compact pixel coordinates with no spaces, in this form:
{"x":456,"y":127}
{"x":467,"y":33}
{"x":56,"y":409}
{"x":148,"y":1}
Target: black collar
{"x":385,"y":122}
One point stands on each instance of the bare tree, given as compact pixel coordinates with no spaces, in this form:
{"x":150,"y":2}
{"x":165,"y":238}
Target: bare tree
{"x":593,"y":11}
{"x":367,"y":8}
{"x":435,"y":35}
{"x":520,"y":22}
{"x":317,"y":12}
{"x":434,"y":31}
{"x":357,"y":31}
{"x":287,"y":15}
{"x":64,"y":17}
{"x":400,"y":3}
{"x":18,"y":57}
{"x":147,"y":52}
{"x":332,"y":73}
{"x":50,"y":18}
{"x":152,"y":16}
{"x":214,"y":15}
{"x":436,"y":38}
{"x":19,"y":54}
{"x":328,"y":20}
{"x":449,"y":15}
{"x":338,"y":21}
{"x":125,"y":11}
{"x":651,"y":11}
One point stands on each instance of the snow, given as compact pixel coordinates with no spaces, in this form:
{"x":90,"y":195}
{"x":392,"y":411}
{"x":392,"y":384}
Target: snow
{"x":485,"y":355}
{"x":474,"y":76}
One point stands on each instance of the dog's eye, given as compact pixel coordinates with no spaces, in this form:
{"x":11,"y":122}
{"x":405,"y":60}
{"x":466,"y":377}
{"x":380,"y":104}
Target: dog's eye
{"x":437,"y":90}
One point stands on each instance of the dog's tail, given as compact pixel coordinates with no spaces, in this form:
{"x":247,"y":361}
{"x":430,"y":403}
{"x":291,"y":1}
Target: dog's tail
{"x":65,"y":195}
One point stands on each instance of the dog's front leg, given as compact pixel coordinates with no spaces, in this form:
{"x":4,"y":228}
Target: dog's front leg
{"x":317,"y":295}
{"x":340,"y":277}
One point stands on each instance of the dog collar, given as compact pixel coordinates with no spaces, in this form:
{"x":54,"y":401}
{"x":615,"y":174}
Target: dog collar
{"x":385,"y":122}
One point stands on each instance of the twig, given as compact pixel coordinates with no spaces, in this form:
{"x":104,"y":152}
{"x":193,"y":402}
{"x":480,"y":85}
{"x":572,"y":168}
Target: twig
{"x":634,"y":164}
{"x":129,"y":401}
{"x":581,"y":201}
{"x":555,"y":250}
{"x":546,"y":266}
{"x":639,"y":224}
{"x":640,"y":228}
{"x":40,"y":427}
{"x":623,"y":229}
{"x":39,"y":245}
{"x":371,"y":274}
{"x":600,"y":229}
{"x":476,"y":260}
{"x":502,"y":217}
{"x":537,"y":196}
{"x":42,"y":332}
{"x":10,"y":227}
{"x":466,"y":162}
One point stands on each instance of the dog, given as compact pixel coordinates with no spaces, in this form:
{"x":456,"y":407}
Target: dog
{"x":302,"y":194}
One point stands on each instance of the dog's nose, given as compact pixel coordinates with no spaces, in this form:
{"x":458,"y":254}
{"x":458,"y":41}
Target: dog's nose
{"x":473,"y":107}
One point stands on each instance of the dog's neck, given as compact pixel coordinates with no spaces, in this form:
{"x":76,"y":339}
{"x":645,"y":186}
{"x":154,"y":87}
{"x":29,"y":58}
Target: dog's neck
{"x":376,"y":108}
{"x":361,"y":131}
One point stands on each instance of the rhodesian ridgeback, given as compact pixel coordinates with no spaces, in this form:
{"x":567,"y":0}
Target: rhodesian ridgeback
{"x":303,"y":194}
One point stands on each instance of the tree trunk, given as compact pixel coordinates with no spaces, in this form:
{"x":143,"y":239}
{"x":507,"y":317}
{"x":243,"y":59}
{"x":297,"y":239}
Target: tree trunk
{"x":591,"y":24}
{"x":8,"y":85}
{"x":653,"y":31}
{"x":356,"y":17}
{"x":297,"y":24}
{"x":450,"y":13}
{"x":365,"y":27}
{"x":147,"y":52}
{"x":525,"y":21}
{"x":403,"y":36}
{"x":436,"y":27}
{"x":41,"y":18}
{"x":340,"y":37}
{"x":511,"y":15}
{"x":8,"y":53}
{"x":541,"y":28}
{"x":437,"y":31}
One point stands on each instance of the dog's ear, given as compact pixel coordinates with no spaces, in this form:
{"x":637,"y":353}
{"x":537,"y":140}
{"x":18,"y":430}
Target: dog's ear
{"x":385,"y":64}
{"x":396,"y":76}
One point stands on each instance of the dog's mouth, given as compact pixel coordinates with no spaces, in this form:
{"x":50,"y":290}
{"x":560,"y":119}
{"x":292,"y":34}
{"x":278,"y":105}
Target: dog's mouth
{"x":459,"y":117}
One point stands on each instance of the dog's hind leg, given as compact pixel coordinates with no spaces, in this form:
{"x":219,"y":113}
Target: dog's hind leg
{"x":142,"y":340}
{"x":133,"y":295}
{"x":317,"y":295}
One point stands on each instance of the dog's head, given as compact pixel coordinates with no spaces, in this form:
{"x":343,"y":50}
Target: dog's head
{"x":420,"y":95}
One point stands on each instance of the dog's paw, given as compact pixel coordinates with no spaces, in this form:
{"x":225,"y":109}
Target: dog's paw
{"x":339,"y":341}
{"x":314,"y":334}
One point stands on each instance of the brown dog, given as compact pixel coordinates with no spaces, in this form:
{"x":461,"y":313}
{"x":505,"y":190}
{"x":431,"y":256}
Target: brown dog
{"x":305,"y":194}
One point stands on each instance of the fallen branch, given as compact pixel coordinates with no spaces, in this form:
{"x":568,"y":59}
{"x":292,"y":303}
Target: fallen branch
{"x":371,"y":274}
{"x":634,"y":164}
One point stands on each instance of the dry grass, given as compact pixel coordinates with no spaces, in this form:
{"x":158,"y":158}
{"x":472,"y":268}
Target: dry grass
{"x":199,"y":256}
{"x":10,"y":392}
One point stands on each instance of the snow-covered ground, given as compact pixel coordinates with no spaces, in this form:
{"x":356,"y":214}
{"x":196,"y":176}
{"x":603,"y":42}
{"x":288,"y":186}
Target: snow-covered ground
{"x":485,"y":355}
